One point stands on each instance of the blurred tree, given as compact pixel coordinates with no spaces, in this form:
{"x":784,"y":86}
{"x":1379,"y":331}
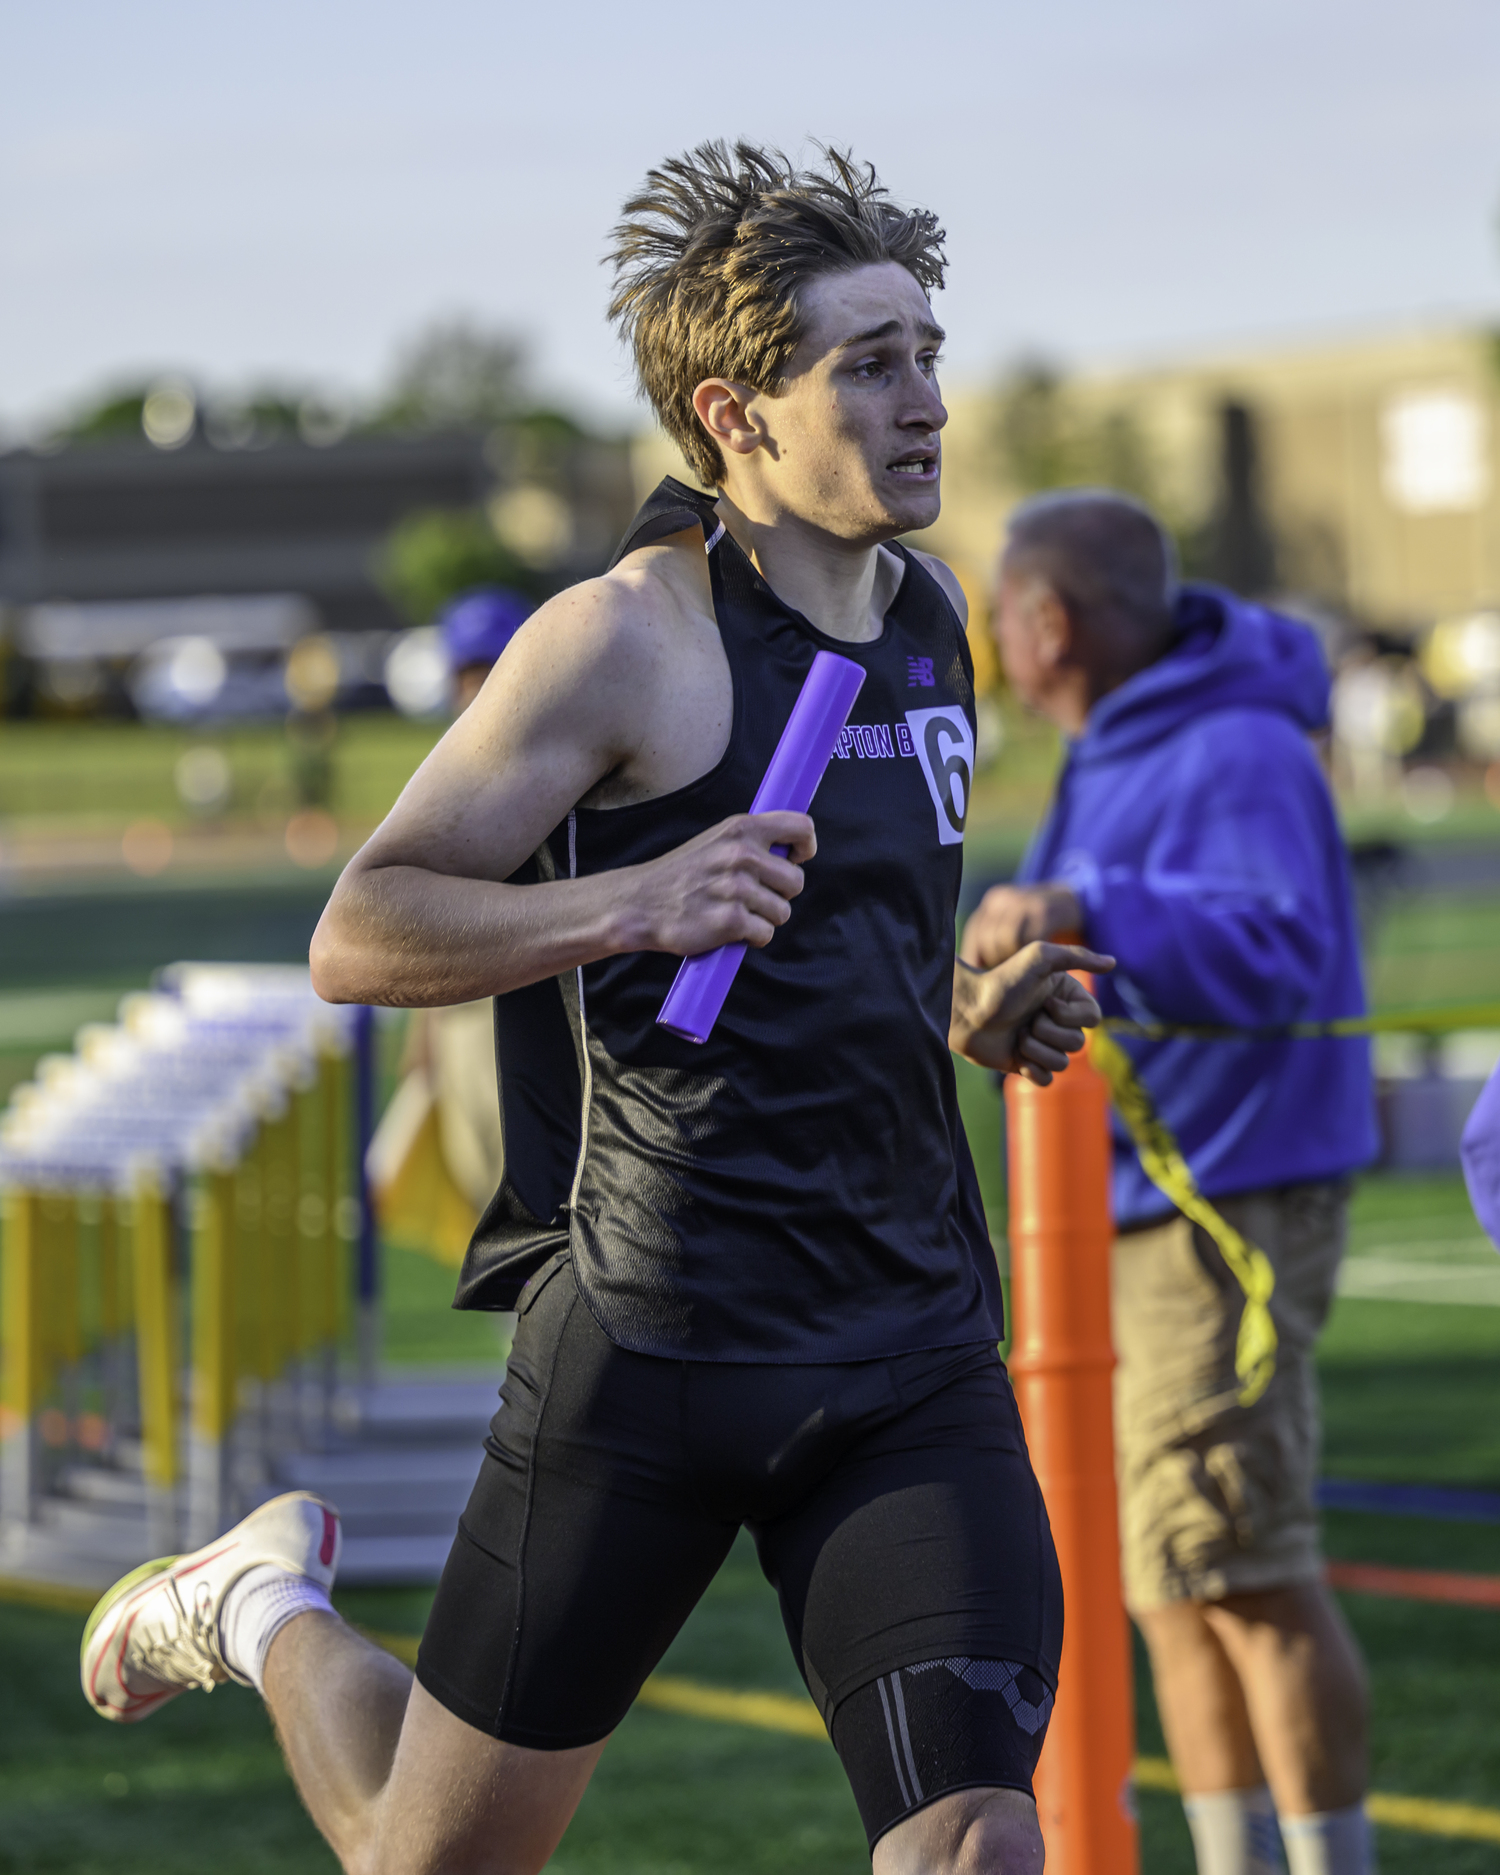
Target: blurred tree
{"x":115,"y":418}
{"x":1032,"y":431}
{"x":455,"y":376}
{"x":1044,"y":440}
{"x":1236,"y":547}
{"x":542,"y":427}
{"x":250,"y":422}
{"x":260,"y":416}
{"x":435,"y":554}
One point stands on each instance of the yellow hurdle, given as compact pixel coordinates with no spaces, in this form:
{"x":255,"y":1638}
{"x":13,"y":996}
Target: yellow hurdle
{"x":156,"y":1347}
{"x":251,"y":1333}
{"x":63,"y":1327}
{"x":22,"y":1330}
{"x":343,"y":1206}
{"x":115,"y":1251}
{"x":214,"y":1352}
{"x":306,"y":1165}
{"x":115,"y":1313}
{"x":279,"y":1205}
{"x":95,"y":1296}
{"x":316,"y":1239}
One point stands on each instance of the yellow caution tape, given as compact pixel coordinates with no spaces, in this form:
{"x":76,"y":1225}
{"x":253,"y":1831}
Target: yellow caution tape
{"x":769,"y":1712}
{"x":796,"y":1714}
{"x":1470,"y":1822}
{"x":1163,"y":1163}
{"x":59,"y":1598}
{"x":1426,"y":1816}
{"x":1443,"y":1021}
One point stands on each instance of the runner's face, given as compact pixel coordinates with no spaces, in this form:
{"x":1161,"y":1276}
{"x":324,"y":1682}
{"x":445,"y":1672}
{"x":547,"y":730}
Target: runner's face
{"x":851,"y":441}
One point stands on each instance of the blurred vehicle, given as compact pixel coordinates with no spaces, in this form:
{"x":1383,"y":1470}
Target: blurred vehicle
{"x":196,"y":660}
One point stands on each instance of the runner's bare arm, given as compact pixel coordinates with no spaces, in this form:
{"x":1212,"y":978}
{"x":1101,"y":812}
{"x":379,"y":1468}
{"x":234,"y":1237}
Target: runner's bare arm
{"x":422,"y":915}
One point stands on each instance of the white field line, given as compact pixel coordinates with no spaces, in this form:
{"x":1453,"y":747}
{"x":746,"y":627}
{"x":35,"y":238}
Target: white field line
{"x":1375,"y":1278}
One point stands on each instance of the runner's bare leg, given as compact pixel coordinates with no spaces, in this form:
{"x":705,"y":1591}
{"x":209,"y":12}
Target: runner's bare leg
{"x":968,"y":1832}
{"x":393,"y":1780}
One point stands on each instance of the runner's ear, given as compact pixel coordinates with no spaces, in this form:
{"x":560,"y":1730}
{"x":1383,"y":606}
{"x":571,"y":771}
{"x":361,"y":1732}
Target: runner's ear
{"x":723,"y":408}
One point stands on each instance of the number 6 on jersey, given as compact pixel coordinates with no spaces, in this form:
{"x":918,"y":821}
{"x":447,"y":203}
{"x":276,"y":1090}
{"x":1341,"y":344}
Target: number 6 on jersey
{"x":945,"y":748}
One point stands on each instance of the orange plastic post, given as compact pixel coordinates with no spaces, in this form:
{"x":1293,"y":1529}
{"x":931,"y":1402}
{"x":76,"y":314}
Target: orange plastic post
{"x":1062,"y":1359}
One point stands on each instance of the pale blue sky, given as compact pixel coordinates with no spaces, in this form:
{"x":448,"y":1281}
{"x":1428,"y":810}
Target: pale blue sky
{"x":290,"y":188}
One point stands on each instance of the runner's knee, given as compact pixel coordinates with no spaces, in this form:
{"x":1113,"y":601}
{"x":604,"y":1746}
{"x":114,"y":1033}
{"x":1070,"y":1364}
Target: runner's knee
{"x":1003,"y":1837}
{"x":968,"y":1832}
{"x":492,"y":1851}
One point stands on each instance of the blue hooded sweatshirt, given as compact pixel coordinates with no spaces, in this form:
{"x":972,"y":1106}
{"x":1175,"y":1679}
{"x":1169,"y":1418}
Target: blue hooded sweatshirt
{"x":1193,"y":822}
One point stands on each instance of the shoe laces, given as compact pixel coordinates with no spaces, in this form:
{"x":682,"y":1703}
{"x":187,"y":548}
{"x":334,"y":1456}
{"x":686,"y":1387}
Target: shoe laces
{"x":176,"y":1643}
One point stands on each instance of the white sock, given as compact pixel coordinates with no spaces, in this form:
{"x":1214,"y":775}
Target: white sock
{"x":255,"y":1610}
{"x":1234,"y":1832}
{"x":1330,"y":1842}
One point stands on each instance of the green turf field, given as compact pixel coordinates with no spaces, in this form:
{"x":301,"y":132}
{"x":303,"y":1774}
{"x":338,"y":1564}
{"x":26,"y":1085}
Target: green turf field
{"x":1412,"y":1394}
{"x":1437,"y":948}
{"x":71,"y":777}
{"x":65,"y":775}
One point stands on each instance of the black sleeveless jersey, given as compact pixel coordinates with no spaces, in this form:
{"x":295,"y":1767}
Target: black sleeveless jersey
{"x":797,"y":1188}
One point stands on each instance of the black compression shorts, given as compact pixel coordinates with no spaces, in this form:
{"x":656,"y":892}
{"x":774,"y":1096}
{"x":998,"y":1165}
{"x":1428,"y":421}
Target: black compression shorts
{"x":892,"y":1504}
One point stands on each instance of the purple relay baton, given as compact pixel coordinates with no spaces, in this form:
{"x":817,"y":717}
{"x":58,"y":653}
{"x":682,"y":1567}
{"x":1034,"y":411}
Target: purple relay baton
{"x":790,"y":782}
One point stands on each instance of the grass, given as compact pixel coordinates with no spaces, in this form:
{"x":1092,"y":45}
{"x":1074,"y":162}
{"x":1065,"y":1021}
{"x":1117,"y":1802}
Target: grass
{"x":203,"y":1785}
{"x":1410,"y":1392}
{"x":1436,"y":948}
{"x":91,"y":776}
{"x":1416,"y":1215}
{"x":421,"y":1327}
{"x":672,"y":1794}
{"x":77,"y":775}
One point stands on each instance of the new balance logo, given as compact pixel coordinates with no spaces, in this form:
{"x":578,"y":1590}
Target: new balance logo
{"x":919,"y":673}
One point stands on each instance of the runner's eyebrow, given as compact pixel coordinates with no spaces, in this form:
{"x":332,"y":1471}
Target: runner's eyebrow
{"x":893,"y":328}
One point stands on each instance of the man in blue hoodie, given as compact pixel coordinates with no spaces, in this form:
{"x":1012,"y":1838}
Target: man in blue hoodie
{"x":1192,"y":835}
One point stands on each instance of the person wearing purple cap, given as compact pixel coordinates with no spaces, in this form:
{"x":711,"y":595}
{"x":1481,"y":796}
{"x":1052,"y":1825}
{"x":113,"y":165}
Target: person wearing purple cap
{"x":1480,"y":1151}
{"x":755,"y":1284}
{"x":451,"y":1050}
{"x":476,"y":627}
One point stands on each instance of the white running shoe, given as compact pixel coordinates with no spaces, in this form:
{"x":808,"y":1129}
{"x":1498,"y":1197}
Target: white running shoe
{"x":156,"y":1633}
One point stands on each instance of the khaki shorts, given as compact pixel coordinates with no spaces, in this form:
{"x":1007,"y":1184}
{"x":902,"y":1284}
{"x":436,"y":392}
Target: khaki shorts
{"x":1218,"y":1498}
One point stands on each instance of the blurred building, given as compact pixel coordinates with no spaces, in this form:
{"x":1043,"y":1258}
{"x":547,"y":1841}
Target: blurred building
{"x":107,"y":549}
{"x":1362,"y":474}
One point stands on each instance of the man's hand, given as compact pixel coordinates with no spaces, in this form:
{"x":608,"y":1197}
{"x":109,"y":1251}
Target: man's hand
{"x":1009,"y":916}
{"x":1027,"y":1015}
{"x":725,"y":886}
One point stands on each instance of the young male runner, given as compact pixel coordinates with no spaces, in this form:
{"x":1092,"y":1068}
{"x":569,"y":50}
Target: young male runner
{"x":753,"y":1277}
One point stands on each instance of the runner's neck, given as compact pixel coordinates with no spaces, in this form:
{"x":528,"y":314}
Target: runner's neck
{"x":843,"y":589}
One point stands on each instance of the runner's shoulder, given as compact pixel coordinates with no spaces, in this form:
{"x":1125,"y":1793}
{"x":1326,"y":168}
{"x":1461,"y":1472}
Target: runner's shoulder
{"x":628,"y":616}
{"x":947,"y":579}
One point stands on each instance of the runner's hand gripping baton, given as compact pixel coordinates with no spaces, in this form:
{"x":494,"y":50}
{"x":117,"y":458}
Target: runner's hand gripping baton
{"x":790,"y":782}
